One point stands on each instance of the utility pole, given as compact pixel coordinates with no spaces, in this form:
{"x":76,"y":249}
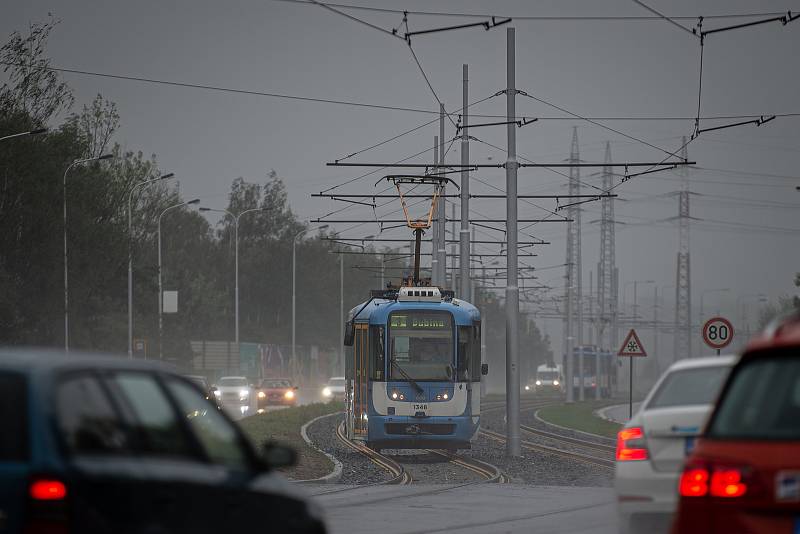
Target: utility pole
{"x":512,"y":291}
{"x":442,"y":221}
{"x":683,"y":287}
{"x":463,"y":235}
{"x":452,"y":271}
{"x":341,"y":311}
{"x":655,"y":331}
{"x":435,"y":226}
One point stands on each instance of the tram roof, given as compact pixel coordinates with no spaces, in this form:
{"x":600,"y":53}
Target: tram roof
{"x":377,"y":311}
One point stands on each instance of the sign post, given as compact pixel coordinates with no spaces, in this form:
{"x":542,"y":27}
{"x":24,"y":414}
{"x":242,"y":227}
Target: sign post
{"x":632,"y":347}
{"x":718,"y":333}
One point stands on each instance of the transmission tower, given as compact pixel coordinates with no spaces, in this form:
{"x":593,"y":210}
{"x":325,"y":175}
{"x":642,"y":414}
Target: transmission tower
{"x":683,"y":286}
{"x":606,"y":269}
{"x":574,"y":304}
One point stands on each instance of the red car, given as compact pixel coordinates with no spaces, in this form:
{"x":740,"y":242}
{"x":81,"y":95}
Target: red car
{"x":744,"y":473}
{"x":276,"y":391}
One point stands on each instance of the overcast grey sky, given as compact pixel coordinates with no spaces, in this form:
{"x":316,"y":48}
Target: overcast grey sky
{"x":594,"y":68}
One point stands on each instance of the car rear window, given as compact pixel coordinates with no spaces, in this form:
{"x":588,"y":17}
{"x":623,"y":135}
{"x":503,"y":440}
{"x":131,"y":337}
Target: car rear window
{"x":13,"y":414}
{"x":762,"y":401}
{"x":687,"y":387}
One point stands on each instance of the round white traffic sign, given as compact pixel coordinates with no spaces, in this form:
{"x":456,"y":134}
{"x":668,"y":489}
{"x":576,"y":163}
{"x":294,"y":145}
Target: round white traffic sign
{"x":718,"y":332}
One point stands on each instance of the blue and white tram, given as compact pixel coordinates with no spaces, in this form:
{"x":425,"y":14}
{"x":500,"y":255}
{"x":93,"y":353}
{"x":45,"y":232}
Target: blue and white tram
{"x":413,"y":370}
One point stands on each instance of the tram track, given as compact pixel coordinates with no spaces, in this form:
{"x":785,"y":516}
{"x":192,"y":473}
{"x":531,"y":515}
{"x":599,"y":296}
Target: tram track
{"x":605,"y":463}
{"x":396,"y":470}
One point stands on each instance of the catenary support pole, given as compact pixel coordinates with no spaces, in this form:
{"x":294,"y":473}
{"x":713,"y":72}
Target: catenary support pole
{"x":341,"y":311}
{"x":512,"y":291}
{"x":435,"y":224}
{"x":463,"y":267}
{"x":442,"y":250}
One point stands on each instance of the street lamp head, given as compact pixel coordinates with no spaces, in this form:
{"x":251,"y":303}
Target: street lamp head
{"x":193,"y":201}
{"x":166,"y":176}
{"x":203,"y":208}
{"x":104,"y":156}
{"x":38,"y":131}
{"x":322,"y":227}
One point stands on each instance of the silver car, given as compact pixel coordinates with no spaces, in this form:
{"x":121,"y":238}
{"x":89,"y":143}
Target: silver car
{"x":652,"y":446}
{"x":234,"y":393}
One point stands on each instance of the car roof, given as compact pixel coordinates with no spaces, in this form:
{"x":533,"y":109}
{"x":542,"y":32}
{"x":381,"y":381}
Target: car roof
{"x":236,"y":377}
{"x":336,"y":378}
{"x":32,"y":360}
{"x":705,"y":361}
{"x":783,"y":332}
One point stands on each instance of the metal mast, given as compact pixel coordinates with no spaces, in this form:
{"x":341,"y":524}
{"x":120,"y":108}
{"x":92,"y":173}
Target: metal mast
{"x":442,"y":219}
{"x":573,"y":277}
{"x":683,"y":288}
{"x":464,"y":284}
{"x":607,"y":297}
{"x":512,"y":290}
{"x":435,"y":226}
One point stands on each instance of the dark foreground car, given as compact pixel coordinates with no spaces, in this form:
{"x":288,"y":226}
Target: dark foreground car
{"x":91,"y":444}
{"x":744,"y":473}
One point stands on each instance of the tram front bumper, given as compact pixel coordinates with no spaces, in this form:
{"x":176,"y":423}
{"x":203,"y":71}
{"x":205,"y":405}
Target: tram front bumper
{"x":422,"y":432}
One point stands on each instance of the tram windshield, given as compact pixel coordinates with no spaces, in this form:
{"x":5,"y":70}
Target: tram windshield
{"x":548,"y":375}
{"x":421,"y":345}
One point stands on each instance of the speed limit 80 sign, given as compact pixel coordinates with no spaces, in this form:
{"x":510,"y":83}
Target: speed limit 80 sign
{"x":718,"y":332}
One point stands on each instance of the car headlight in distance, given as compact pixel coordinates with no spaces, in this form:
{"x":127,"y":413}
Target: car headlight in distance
{"x":527,"y":388}
{"x":217,"y":393}
{"x":555,"y":382}
{"x":261,"y":394}
{"x":289,"y":394}
{"x":243,"y":393}
{"x":538,"y":382}
{"x":326,"y":392}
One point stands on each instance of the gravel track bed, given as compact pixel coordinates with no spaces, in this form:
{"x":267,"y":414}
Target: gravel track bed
{"x":431,"y":468}
{"x":535,"y":467}
{"x":356,"y":468}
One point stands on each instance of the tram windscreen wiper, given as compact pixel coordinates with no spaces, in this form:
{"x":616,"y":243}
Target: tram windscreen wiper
{"x":405,"y":375}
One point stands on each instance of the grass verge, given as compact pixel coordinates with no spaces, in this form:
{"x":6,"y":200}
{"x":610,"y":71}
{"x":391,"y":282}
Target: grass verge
{"x":284,"y":426}
{"x":580,"y":416}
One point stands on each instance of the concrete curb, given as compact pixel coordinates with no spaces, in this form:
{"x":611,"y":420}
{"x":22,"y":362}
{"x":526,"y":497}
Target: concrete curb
{"x":332,"y":477}
{"x":601,"y":413}
{"x":588,"y":434}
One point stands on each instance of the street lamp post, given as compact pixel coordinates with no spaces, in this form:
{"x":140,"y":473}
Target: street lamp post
{"x":294,"y":294}
{"x":66,"y":269}
{"x":236,"y":260}
{"x":130,"y":256}
{"x":23,"y":134}
{"x":160,"y":292}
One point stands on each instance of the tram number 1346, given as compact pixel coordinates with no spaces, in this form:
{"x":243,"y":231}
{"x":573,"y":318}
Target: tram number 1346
{"x":420,"y":406}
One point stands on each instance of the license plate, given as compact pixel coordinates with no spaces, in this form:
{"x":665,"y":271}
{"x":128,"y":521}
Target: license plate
{"x":787,"y":487}
{"x":688,"y":446}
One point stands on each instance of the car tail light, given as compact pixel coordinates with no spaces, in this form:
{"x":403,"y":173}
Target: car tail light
{"x":47,"y":507}
{"x":631,"y":445}
{"x":726,"y":482}
{"x":714,"y":481}
{"x":694,"y":482}
{"x":48,"y":490}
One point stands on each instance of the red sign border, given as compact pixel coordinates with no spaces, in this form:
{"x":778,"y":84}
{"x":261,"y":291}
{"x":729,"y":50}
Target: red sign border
{"x":633,"y":334}
{"x":726,"y":323}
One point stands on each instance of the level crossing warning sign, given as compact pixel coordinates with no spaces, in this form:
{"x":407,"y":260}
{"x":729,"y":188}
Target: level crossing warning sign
{"x":632,"y":346}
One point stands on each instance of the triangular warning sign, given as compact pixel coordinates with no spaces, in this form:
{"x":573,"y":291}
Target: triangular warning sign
{"x":632,"y":346}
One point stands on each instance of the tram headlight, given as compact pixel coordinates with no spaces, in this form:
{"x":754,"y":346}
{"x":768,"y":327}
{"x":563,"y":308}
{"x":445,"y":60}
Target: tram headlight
{"x":397,"y":396}
{"x":527,"y":388}
{"x":442,"y":396}
{"x":538,"y":382}
{"x":555,"y":382}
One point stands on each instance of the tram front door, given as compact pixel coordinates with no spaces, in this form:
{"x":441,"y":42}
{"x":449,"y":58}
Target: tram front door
{"x":360,"y":397}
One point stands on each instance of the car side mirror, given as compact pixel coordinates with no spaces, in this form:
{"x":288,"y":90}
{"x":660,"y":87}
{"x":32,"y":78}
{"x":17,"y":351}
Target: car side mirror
{"x":484,"y":369}
{"x":449,"y":371}
{"x":277,"y":455}
{"x":296,"y":388}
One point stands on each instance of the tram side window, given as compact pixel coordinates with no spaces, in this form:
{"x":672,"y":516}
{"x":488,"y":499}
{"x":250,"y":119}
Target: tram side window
{"x":466,"y":340}
{"x":475,"y":354}
{"x":377,"y":353}
{"x":469,"y":353}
